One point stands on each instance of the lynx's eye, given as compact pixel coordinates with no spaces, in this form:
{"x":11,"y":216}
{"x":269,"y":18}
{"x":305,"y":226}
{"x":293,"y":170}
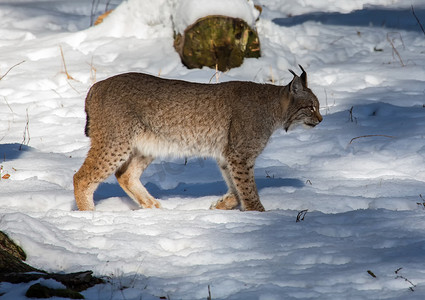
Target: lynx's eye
{"x":313,"y":109}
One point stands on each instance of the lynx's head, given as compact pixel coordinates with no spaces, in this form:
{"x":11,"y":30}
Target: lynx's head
{"x":303,"y":105}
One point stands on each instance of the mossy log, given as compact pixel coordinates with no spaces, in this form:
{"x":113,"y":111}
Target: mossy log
{"x":218,"y":42}
{"x":12,"y":256}
{"x":40,"y":291}
{"x":14,"y":270}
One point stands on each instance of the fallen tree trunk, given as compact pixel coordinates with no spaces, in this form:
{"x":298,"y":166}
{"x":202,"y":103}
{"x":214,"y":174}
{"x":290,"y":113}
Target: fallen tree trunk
{"x":78,"y":282}
{"x":14,"y":270}
{"x":12,"y":256}
{"x":217,"y":42}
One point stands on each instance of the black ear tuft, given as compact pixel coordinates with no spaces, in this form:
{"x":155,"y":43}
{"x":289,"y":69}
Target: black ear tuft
{"x":303,"y":76}
{"x":292,"y":72}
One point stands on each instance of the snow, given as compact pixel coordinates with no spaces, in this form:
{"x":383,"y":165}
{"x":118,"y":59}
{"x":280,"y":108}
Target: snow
{"x":359,"y":173}
{"x":188,"y":11}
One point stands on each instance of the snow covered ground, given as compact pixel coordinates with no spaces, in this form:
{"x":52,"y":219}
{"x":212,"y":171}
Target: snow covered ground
{"x":360,"y":173}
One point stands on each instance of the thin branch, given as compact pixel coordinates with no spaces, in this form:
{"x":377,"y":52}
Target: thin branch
{"x":405,"y":279}
{"x":93,"y":71}
{"x":26,"y":137}
{"x":417,"y":19}
{"x":2,"y":76}
{"x":216,"y":74}
{"x":371,"y":273}
{"x":64,"y":64}
{"x":94,"y":6}
{"x":370,"y":135}
{"x":73,"y":88}
{"x":209,"y":293}
{"x":7,"y":103}
{"x":395,"y":50}
{"x":13,"y":117}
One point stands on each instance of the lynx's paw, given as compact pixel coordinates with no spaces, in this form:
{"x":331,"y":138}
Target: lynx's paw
{"x":227,"y":202}
{"x":151,"y":203}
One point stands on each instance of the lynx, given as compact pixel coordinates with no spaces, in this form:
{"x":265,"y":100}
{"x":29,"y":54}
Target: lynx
{"x":133,"y":118}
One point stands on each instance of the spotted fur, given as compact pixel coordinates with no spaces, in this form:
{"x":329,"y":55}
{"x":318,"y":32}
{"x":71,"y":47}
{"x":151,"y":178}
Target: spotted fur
{"x":133,"y":118}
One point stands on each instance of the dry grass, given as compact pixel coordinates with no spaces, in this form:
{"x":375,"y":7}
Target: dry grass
{"x":4,"y":75}
{"x":216,"y":75}
{"x":64,"y":64}
{"x":93,"y":72}
{"x":391,"y":37}
{"x":26,"y":135}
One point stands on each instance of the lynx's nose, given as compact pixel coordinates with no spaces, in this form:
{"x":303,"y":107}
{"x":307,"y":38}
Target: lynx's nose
{"x":319,"y":117}
{"x":314,"y":120}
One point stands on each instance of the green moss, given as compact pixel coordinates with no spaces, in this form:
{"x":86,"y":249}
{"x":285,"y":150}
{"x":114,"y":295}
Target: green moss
{"x":217,"y":41}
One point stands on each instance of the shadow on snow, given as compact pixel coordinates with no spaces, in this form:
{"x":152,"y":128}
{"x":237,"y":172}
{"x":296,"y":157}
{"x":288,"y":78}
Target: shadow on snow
{"x":217,"y":188}
{"x":12,"y":151}
{"x":401,"y":19}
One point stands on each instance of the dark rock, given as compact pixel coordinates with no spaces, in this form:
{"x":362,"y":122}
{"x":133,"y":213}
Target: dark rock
{"x":40,"y":291}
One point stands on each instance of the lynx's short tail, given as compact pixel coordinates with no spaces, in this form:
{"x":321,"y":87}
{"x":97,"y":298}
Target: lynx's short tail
{"x":88,"y":98}
{"x":86,"y":129}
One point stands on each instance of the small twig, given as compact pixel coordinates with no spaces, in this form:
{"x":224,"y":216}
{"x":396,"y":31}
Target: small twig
{"x":64,"y":64}
{"x":301,"y":215}
{"x":209,"y":293}
{"x":73,"y":88}
{"x":216,"y":74}
{"x":26,"y":138}
{"x":13,"y":117}
{"x":405,"y":279}
{"x":272,"y":76}
{"x":338,"y":39}
{"x":268,"y":175}
{"x":93,"y":71}
{"x":417,"y":19}
{"x":370,"y":135}
{"x":351,"y":114}
{"x":423,"y":201}
{"x":394,"y":49}
{"x":7,"y":103}
{"x":326,"y":102}
{"x":371,"y":273}
{"x":2,"y":76}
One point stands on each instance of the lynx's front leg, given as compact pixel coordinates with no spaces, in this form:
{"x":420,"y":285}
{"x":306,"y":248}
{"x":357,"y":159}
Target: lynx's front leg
{"x":241,"y":171}
{"x":230,"y":200}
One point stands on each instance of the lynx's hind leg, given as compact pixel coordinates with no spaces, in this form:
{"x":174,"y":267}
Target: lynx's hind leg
{"x":101,"y":161}
{"x":128,"y":176}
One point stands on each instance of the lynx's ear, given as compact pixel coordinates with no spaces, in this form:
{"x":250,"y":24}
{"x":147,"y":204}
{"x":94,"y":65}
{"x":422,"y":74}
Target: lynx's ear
{"x":296,"y":85}
{"x":298,"y":80}
{"x":303,"y":76}
{"x":293,"y":73}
